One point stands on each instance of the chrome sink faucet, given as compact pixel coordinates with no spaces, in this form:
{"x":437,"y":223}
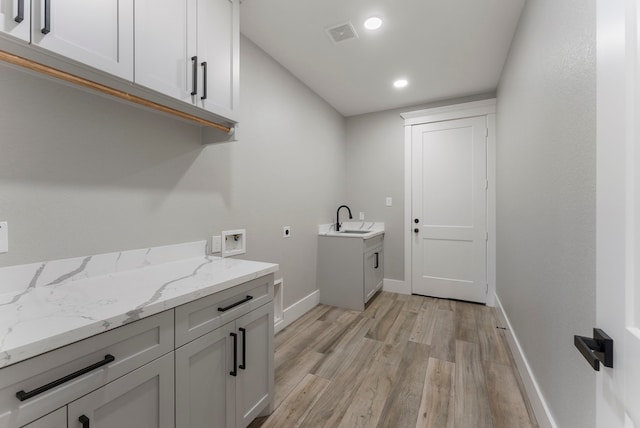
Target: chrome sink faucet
{"x":338,"y":216}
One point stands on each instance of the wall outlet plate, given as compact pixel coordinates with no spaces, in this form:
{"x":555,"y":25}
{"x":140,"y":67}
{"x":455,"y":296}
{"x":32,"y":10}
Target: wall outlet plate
{"x":4,"y":237}
{"x":216,"y":244}
{"x":286,"y":232}
{"x":234,"y":242}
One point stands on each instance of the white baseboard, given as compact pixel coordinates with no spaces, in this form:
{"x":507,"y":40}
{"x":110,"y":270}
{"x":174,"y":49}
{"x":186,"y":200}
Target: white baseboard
{"x":297,"y":310}
{"x":396,"y":286}
{"x":538,"y":403}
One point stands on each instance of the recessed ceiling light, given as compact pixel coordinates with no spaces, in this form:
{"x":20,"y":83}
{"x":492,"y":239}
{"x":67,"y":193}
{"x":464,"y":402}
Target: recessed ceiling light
{"x":400,"y":83}
{"x":373,"y":23}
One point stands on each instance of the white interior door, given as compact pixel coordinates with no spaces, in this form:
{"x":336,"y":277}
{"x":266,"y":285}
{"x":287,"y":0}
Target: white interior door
{"x":449,"y":209}
{"x":618,"y":211}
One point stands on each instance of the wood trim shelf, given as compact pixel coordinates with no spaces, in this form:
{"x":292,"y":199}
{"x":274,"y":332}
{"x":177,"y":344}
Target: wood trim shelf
{"x":85,"y":83}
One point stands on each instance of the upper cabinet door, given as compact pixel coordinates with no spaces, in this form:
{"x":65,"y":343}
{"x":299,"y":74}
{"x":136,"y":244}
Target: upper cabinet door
{"x":98,"y":33}
{"x":165,"y":39}
{"x":218,"y":55}
{"x":15,"y":16}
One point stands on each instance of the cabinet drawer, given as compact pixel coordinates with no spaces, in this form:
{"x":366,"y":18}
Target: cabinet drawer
{"x":204,"y":315}
{"x":372,"y":243}
{"x":131,"y":346}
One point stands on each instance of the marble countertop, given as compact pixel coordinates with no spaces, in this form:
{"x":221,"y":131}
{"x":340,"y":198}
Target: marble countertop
{"x":44,"y":306}
{"x":352,"y":229}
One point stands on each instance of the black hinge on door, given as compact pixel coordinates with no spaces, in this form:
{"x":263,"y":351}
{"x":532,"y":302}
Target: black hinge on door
{"x":597,"y":350}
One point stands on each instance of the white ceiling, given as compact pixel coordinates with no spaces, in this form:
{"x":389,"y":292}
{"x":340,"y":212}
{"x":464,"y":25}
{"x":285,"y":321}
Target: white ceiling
{"x":445,"y":48}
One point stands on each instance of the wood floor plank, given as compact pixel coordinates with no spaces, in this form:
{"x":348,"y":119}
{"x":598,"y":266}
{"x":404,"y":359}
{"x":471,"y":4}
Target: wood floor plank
{"x":466,"y":323}
{"x":382,"y":326}
{"x":289,"y":375}
{"x":295,"y":407}
{"x":446,"y":305}
{"x":472,"y":408}
{"x":297,"y":344}
{"x":492,"y":342}
{"x":437,"y":404}
{"x":402,"y":406}
{"x":290,"y":331}
{"x":379,"y":306}
{"x":443,"y":343}
{"x":331,"y":406}
{"x":507,"y":405}
{"x":423,"y":329}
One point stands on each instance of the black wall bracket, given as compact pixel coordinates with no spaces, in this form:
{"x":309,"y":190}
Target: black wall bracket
{"x":597,"y":350}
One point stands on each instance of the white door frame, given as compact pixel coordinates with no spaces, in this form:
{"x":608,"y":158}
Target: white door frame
{"x":457,"y":111}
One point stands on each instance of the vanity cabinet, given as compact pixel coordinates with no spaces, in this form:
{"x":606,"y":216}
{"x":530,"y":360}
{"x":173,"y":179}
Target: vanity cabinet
{"x":98,"y":33}
{"x":57,"y":419}
{"x":15,"y":19}
{"x":225,"y":374}
{"x":350,"y":270}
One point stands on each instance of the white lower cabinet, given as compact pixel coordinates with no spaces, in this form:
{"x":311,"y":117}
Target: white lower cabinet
{"x":143,"y":398}
{"x":225,"y":378}
{"x":57,"y":419}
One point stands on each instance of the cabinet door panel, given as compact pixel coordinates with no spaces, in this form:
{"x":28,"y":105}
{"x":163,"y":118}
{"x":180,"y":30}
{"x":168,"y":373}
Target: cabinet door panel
{"x":165,"y":41}
{"x":255,"y":381}
{"x":373,"y":272}
{"x":205,"y":391}
{"x":143,"y":398}
{"x":218,"y":45}
{"x":98,"y":33}
{"x":57,"y":419}
{"x":9,"y":12}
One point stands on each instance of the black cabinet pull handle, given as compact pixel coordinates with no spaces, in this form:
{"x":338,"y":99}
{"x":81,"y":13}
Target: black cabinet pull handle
{"x":234,"y":372}
{"x":597,"y":350}
{"x":47,"y":17}
{"x":233,"y":305}
{"x":20,"y":15}
{"x":84,"y":420}
{"x":204,"y":81}
{"x":194,"y":69}
{"x":243,"y":366}
{"x":377,"y":265}
{"x":23,"y":395}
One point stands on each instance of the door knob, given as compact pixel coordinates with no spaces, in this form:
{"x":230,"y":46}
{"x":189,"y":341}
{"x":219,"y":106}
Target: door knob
{"x":597,"y":350}
{"x":416,"y":230}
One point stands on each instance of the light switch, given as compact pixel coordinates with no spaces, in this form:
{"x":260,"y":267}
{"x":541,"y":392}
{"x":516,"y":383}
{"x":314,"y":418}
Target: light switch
{"x":4,"y":237}
{"x":216,"y":244}
{"x":389,"y":201}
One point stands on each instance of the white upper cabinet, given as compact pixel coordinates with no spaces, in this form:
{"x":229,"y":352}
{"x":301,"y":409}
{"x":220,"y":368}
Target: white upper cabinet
{"x":163,"y":58}
{"x":218,"y":47}
{"x":188,"y":49}
{"x":98,"y":33}
{"x":15,"y":16}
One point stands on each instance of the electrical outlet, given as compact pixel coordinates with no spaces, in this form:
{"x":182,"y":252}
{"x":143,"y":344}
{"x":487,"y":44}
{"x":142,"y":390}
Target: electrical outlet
{"x":361,"y":216}
{"x":216,"y":244}
{"x":4,"y":237}
{"x":286,"y":232}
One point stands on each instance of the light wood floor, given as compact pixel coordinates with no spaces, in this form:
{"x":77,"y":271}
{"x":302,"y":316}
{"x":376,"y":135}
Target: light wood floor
{"x":406,"y":361}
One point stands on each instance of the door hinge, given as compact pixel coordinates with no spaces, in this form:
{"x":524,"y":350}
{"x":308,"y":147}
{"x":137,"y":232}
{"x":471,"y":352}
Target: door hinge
{"x":486,"y":184}
{"x":487,"y":289}
{"x":486,"y":236}
{"x":486,"y":132}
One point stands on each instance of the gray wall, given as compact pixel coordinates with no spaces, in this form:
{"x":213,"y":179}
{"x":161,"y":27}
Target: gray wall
{"x":375,"y":170}
{"x":83,"y":174}
{"x":546,"y":198}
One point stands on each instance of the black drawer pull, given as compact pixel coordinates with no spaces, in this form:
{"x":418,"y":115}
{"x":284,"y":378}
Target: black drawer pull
{"x":243,"y":366}
{"x":84,"y":420}
{"x":377,"y":260}
{"x":23,"y":395}
{"x":20,"y":15}
{"x":204,"y":81}
{"x":194,"y":77}
{"x":234,"y":372}
{"x":233,"y":305}
{"x":47,"y":17}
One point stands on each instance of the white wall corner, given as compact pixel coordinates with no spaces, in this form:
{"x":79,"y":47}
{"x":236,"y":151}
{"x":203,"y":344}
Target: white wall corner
{"x":538,"y":403}
{"x":297,"y":310}
{"x":396,"y":286}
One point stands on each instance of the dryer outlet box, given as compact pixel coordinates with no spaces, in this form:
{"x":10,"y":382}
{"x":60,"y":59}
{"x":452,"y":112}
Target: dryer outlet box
{"x":234,"y":242}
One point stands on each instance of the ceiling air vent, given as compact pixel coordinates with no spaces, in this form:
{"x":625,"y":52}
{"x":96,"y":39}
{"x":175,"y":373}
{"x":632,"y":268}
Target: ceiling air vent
{"x":342,"y":32}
